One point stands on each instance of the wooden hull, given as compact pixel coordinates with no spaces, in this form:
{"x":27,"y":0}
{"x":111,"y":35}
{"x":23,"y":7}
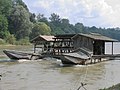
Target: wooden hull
{"x":66,"y":59}
{"x":74,"y":58}
{"x":16,"y":55}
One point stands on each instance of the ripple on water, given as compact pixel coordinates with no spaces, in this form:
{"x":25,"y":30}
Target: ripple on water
{"x":50,"y":75}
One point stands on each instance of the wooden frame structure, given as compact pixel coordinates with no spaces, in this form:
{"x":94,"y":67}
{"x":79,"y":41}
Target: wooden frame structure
{"x":67,"y":43}
{"x":42,"y":41}
{"x":93,"y":42}
{"x":63,"y":44}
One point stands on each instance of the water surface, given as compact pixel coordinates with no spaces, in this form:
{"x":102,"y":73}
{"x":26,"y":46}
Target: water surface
{"x":49,"y":74}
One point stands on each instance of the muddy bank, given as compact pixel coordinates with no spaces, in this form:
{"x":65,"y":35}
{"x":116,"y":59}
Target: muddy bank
{"x":114,"y":87}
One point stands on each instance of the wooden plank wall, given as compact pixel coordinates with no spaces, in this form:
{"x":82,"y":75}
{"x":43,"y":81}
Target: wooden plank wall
{"x":83,"y":42}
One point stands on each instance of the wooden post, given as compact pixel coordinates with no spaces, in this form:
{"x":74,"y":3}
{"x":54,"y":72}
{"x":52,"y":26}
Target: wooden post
{"x":112,"y":48}
{"x":91,"y":60}
{"x":34,"y":48}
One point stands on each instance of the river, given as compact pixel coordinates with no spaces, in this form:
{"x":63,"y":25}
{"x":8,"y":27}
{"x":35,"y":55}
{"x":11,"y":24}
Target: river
{"x":50,"y":74}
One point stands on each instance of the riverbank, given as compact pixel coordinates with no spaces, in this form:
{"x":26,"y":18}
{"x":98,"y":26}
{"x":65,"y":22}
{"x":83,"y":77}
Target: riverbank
{"x":114,"y":87}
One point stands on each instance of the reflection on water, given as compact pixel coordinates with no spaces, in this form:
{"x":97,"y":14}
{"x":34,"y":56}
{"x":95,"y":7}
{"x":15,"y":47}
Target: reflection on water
{"x":50,"y":75}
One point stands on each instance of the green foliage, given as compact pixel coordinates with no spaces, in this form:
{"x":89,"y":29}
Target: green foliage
{"x":32,"y":17}
{"x":40,"y":28}
{"x":110,"y":32}
{"x":24,"y":41}
{"x":79,"y":27}
{"x":55,"y":19}
{"x":66,"y":26}
{"x":3,"y":26}
{"x":42,"y":18}
{"x":19,"y":22}
{"x":2,"y":42}
{"x":61,"y":26}
{"x":10,"y":39}
{"x":21,"y":3}
{"x":5,"y":7}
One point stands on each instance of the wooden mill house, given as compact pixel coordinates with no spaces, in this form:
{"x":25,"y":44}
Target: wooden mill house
{"x":75,"y":48}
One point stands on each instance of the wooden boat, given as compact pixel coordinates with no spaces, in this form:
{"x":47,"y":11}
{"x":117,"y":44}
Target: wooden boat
{"x":79,"y":56}
{"x":17,"y":55}
{"x":73,"y":58}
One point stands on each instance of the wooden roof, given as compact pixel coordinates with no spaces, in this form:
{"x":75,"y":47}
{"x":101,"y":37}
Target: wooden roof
{"x":96,"y":36}
{"x":42,"y":38}
{"x":64,"y":36}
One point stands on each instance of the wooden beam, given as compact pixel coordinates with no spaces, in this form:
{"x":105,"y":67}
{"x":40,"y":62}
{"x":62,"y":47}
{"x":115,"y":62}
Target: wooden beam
{"x":34,"y":48}
{"x":112,"y":48}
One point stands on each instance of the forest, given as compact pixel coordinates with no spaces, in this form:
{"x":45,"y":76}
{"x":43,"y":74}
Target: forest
{"x":18,"y":25}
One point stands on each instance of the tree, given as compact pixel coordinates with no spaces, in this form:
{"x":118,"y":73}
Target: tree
{"x":40,"y":28}
{"x":65,"y":21}
{"x":55,"y":24}
{"x":56,"y":30}
{"x":19,"y":22}
{"x":79,"y":27}
{"x":32,"y":17}
{"x":55,"y":19}
{"x":66,"y":26}
{"x":5,"y":7}
{"x":42,"y":18}
{"x":10,"y":39}
{"x":3,"y":26}
{"x":20,"y":2}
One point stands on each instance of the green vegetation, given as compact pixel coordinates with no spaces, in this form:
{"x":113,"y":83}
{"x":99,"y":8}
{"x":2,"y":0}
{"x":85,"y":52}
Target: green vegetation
{"x":2,"y":41}
{"x":19,"y":21}
{"x":3,"y":26}
{"x":40,"y":28}
{"x":10,"y":39}
{"x":114,"y":87}
{"x":23,"y":42}
{"x":18,"y":25}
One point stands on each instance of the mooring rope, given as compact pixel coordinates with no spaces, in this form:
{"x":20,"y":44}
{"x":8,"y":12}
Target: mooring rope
{"x":82,"y":85}
{"x":0,"y":76}
{"x":77,"y":81}
{"x":82,"y":81}
{"x":85,"y":73}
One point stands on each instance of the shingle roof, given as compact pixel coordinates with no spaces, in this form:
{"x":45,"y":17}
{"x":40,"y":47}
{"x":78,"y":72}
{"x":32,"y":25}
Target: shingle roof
{"x":64,"y":36}
{"x":43,"y":38}
{"x":96,"y":36}
{"x":48,"y":38}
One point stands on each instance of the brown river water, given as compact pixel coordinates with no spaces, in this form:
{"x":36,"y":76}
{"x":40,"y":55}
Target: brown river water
{"x":50,"y":74}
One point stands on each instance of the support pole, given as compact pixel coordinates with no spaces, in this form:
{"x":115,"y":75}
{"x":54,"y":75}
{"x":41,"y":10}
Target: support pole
{"x":34,"y":48}
{"x":112,"y":48}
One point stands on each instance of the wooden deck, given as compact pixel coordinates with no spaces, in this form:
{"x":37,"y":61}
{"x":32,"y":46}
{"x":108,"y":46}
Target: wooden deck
{"x":102,"y":58}
{"x":106,"y":56}
{"x":82,"y":56}
{"x":75,"y":58}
